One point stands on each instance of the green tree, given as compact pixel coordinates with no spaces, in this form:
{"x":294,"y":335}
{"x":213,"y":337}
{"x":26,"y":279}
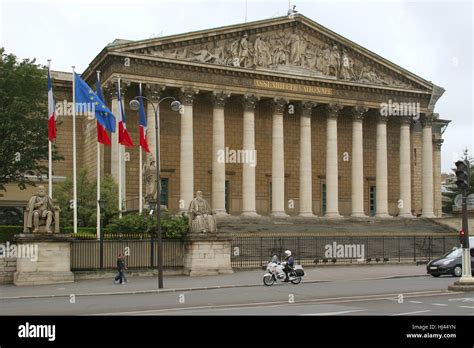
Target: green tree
{"x":452,"y":189}
{"x":23,"y":120}
{"x":86,"y":200}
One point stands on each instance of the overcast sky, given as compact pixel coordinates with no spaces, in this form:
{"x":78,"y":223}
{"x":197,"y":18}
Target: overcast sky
{"x":433,"y":39}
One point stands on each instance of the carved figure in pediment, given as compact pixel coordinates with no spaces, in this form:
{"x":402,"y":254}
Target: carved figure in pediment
{"x":334,"y":61}
{"x":262,"y":52}
{"x":244,"y":52}
{"x":294,"y":44}
{"x":346,"y":66}
{"x":279,"y":56}
{"x":370,"y":76}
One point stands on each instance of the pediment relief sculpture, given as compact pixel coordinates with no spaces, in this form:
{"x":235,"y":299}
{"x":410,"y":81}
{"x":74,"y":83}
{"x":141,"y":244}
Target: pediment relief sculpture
{"x":289,"y":50}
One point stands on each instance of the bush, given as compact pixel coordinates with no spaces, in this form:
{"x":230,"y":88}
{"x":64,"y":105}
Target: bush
{"x":144,"y":225}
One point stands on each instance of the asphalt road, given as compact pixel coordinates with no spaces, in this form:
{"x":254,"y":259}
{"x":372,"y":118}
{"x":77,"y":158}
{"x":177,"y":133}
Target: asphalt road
{"x":402,"y":296}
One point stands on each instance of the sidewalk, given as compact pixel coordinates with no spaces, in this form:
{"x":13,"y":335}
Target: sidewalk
{"x":137,"y":285}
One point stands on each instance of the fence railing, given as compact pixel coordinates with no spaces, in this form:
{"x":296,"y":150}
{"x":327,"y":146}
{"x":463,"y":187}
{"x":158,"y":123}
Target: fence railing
{"x":256,"y":252}
{"x":86,"y":254}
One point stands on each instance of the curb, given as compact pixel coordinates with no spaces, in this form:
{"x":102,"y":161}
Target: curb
{"x":215,"y":287}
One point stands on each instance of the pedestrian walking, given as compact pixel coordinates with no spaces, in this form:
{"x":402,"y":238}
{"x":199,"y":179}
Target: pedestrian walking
{"x":121,"y":267}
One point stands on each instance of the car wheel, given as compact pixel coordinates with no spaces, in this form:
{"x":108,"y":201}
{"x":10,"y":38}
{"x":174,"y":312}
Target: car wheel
{"x":436,"y":275}
{"x":457,"y":271}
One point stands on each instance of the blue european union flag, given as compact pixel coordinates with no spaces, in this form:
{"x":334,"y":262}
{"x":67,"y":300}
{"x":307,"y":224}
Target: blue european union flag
{"x":87,"y":99}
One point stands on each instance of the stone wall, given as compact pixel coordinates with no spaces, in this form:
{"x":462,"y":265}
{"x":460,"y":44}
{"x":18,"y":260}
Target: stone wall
{"x":7,"y":268}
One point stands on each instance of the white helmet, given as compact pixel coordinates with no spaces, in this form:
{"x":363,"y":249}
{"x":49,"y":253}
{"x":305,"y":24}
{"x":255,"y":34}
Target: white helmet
{"x":288,"y":253}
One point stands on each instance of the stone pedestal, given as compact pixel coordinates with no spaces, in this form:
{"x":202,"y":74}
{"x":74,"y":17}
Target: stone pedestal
{"x":49,"y":260}
{"x":207,"y":254}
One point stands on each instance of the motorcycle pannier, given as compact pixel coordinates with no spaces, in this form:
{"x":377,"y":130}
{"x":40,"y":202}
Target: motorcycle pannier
{"x":299,"y":272}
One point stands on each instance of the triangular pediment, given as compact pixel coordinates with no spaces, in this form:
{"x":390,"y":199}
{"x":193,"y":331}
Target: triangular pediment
{"x":292,"y":45}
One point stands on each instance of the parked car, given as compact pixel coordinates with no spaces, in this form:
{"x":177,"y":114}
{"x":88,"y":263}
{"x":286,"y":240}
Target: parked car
{"x":451,"y":262}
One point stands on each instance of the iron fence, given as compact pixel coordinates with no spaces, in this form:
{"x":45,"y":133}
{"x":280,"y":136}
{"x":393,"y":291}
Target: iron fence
{"x":255,"y":252}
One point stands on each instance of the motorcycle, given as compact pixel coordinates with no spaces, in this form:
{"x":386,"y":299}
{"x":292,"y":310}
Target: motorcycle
{"x":275,"y":273}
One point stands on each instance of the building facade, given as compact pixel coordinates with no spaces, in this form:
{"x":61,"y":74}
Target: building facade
{"x":280,"y":117}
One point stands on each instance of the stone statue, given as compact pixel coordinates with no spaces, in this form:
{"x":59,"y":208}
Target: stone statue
{"x":334,"y":62}
{"x":263,"y":56}
{"x":149,"y":176}
{"x":41,"y":211}
{"x":346,"y":66}
{"x":201,"y":217}
{"x":295,"y":48}
{"x":244,"y":53}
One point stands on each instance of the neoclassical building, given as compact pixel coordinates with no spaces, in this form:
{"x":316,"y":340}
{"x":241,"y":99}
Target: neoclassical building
{"x":336,"y":130}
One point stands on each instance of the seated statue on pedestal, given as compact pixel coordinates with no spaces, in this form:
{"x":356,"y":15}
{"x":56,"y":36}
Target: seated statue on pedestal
{"x":201,"y":217}
{"x":41,"y":214}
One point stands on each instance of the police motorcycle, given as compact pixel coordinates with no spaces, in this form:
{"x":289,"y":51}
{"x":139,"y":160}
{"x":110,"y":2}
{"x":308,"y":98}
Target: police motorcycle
{"x":275,"y":273}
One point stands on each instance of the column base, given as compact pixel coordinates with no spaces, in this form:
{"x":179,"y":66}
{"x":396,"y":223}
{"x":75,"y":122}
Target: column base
{"x":383,"y":216}
{"x":333,"y":215}
{"x":466,"y":280}
{"x":308,"y":215}
{"x":221,"y":213}
{"x":359,"y":215}
{"x":406,"y":216}
{"x":249,"y":214}
{"x":428,"y":215}
{"x":279,"y":214}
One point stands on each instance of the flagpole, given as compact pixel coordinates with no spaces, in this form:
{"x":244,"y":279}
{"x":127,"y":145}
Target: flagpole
{"x":74,"y":176}
{"x":140,"y":171}
{"x":119,"y":159}
{"x":98,"y":176}
{"x":50,"y":152}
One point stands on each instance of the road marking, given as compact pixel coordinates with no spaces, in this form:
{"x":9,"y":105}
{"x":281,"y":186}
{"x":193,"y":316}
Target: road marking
{"x":415,"y":301}
{"x":439,"y":304}
{"x":361,"y":298}
{"x":466,"y":306}
{"x":408,"y":313}
{"x":336,"y":313}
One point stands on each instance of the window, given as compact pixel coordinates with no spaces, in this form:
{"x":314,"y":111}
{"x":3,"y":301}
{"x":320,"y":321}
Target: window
{"x":323,"y":199}
{"x":164,"y":191}
{"x":373,"y":200}
{"x":227,"y":196}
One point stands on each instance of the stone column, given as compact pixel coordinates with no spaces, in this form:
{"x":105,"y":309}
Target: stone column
{"x":357,"y":184}
{"x":306,"y":188}
{"x":278,"y":159}
{"x":218,"y":145}
{"x":405,"y":168}
{"x":438,"y":204}
{"x":332,"y":172}
{"x":186,"y":179}
{"x":427,"y":182}
{"x":381,"y":169}
{"x":248,"y":144}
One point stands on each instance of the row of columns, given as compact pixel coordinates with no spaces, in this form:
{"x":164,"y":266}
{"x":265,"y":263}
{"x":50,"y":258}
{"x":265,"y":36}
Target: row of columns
{"x":305,"y":173}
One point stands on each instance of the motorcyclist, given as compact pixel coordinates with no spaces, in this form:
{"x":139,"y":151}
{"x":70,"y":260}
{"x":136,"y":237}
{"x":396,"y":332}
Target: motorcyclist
{"x":289,"y":263}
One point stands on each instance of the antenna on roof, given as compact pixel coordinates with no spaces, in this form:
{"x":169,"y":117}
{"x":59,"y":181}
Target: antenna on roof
{"x":245,"y":11}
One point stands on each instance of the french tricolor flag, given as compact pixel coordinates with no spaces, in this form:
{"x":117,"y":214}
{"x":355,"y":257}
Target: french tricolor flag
{"x":51,"y":110}
{"x":142,"y":123}
{"x":124,"y":137}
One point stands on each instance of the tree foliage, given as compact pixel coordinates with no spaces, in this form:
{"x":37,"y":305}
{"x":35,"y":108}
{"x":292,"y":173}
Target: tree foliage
{"x":452,"y":189}
{"x":23,"y":120}
{"x":86,"y":199}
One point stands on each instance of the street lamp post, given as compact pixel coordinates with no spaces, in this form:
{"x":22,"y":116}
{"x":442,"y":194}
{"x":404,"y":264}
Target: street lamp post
{"x":175,"y":106}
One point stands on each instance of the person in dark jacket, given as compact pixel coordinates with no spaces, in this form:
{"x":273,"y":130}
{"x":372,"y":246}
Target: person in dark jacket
{"x":289,"y":263}
{"x":121,"y":267}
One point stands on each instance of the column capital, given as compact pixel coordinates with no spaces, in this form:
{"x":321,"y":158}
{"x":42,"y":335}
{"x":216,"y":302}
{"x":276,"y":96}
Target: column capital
{"x":307,"y":107}
{"x":249,"y":102}
{"x":219,"y":98}
{"x":406,"y":120}
{"x":333,"y":110}
{"x":358,"y":112}
{"x":382,"y":118}
{"x":438,"y":143}
{"x":110,"y":88}
{"x":187,"y":95}
{"x":426,"y":120}
{"x":279,"y":105}
{"x":153,"y":91}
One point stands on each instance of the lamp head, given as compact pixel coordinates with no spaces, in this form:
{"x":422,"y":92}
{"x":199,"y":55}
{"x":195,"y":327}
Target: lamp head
{"x":175,"y":105}
{"x":134,"y":105}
